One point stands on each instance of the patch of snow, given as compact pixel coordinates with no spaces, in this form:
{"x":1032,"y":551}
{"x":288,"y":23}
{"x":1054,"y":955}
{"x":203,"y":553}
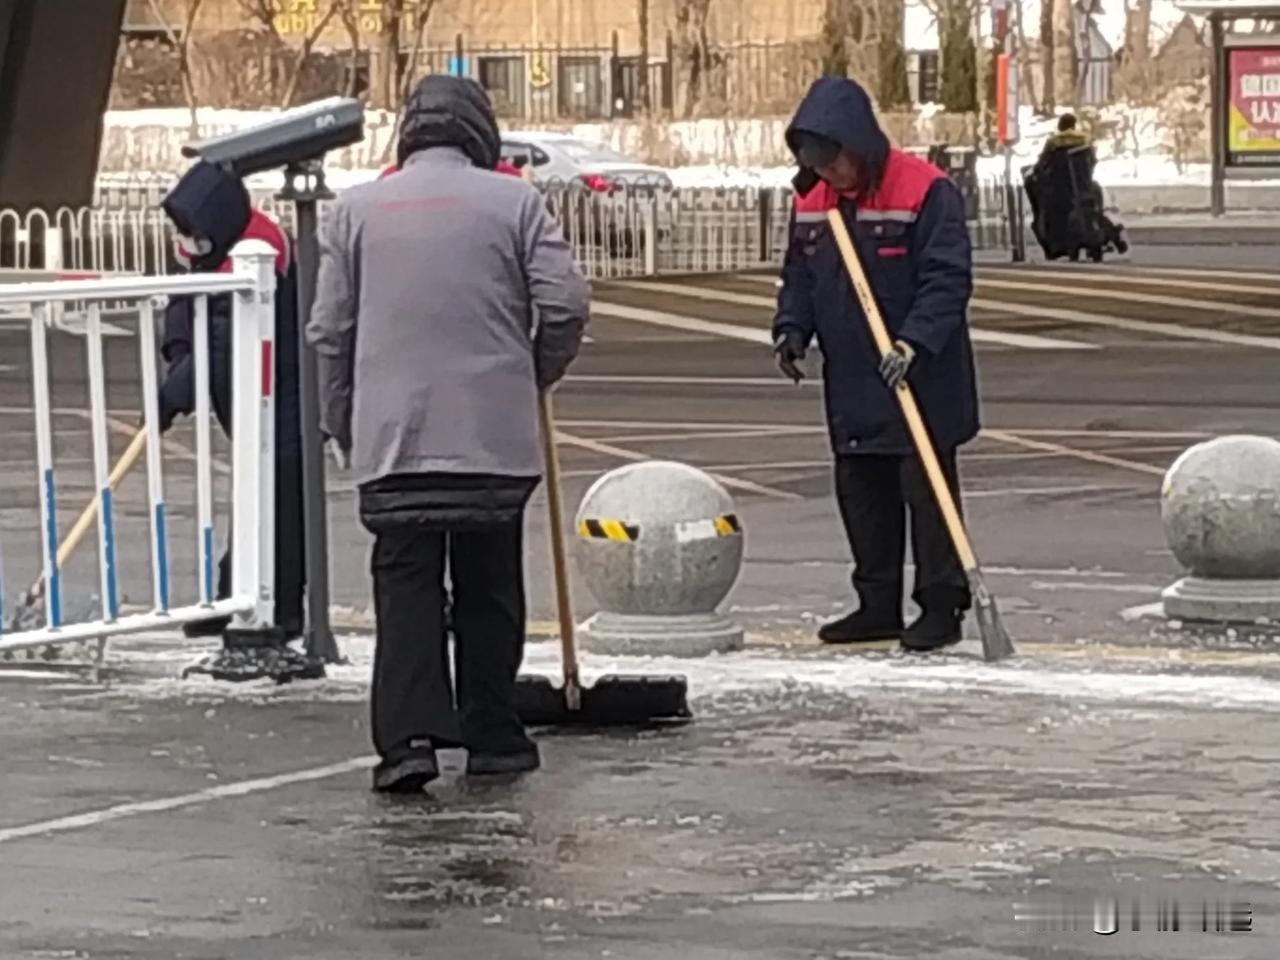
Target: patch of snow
{"x":763,"y":673}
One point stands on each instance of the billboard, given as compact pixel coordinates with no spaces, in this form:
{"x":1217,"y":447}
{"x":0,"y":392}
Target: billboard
{"x":1253,"y":106}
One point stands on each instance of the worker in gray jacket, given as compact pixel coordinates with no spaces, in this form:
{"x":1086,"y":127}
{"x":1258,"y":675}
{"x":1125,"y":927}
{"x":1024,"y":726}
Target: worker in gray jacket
{"x":447,"y":298}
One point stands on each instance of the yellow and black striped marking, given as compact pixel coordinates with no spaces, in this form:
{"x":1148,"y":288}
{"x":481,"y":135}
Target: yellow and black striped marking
{"x":614,"y":530}
{"x":728,"y":525}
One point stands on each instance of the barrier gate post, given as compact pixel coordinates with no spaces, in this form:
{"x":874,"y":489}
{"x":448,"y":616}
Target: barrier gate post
{"x":305,"y":186}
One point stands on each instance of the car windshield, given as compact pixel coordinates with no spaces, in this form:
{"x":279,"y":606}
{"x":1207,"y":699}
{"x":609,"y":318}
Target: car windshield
{"x":584,"y":152}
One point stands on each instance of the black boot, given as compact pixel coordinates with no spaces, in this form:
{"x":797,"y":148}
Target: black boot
{"x":491,"y":764}
{"x":934,"y":629}
{"x":407,"y":771}
{"x":863,"y":626}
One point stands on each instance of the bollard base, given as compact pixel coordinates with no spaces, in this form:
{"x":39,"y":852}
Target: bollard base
{"x":690,"y":635}
{"x":252,"y":655}
{"x":1223,"y":601}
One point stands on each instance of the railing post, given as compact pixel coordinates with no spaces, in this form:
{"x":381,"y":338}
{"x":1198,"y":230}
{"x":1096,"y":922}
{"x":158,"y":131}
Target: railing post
{"x":764,"y":203}
{"x":253,"y":434}
{"x":649,"y":217}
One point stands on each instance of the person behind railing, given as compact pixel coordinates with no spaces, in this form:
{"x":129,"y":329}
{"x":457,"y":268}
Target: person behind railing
{"x":211,"y":212}
{"x":447,"y":298}
{"x":907,"y":220}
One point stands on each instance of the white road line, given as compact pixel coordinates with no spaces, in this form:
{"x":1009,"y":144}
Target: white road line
{"x":778,"y":381}
{"x":699,"y":425}
{"x":173,"y":446}
{"x":1155,"y":327}
{"x":1044,"y":491}
{"x":660,"y":318}
{"x":1088,"y":455}
{"x":609,"y":450}
{"x":1135,"y":279}
{"x":803,"y":428}
{"x":1155,"y":299}
{"x":242,"y":788}
{"x":760,"y":335}
{"x":1201,"y":272}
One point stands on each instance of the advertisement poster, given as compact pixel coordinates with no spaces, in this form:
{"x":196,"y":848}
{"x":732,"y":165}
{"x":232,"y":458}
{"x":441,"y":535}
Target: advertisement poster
{"x":1253,"y":106}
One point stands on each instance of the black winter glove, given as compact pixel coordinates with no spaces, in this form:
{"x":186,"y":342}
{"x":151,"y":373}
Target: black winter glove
{"x":896,"y":364}
{"x":788,"y":351}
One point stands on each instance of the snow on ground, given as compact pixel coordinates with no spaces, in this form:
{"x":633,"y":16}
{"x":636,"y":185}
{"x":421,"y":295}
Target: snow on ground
{"x":716,"y":680}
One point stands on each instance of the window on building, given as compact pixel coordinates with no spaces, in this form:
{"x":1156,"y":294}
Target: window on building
{"x":504,"y":79}
{"x":927,"y":90}
{"x":580,"y":92}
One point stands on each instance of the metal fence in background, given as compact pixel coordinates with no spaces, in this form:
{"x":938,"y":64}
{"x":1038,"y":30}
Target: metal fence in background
{"x":633,"y":229}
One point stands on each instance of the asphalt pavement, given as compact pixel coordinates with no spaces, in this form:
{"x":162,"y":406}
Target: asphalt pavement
{"x":823,"y":803}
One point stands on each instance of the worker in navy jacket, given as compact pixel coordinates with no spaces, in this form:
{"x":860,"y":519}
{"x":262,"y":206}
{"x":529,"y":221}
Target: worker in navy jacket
{"x":908,"y":224}
{"x":211,"y":211}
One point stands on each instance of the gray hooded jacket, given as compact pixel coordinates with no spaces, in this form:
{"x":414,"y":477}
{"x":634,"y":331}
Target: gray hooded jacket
{"x":424,"y":321}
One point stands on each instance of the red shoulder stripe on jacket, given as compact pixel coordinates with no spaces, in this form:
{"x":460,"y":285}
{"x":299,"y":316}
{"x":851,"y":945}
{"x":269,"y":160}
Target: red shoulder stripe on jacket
{"x":906,"y":183}
{"x":262,"y":227}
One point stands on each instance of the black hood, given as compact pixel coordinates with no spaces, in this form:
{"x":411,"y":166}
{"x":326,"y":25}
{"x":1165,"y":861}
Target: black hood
{"x":838,"y":110}
{"x":447,"y":111}
{"x":212,"y":204}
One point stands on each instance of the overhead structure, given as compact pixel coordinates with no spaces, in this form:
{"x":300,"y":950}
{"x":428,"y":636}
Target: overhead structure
{"x":1244,"y":92}
{"x":57,"y":60}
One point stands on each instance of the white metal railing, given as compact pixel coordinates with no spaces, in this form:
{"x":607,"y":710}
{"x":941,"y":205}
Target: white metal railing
{"x":251,"y":288}
{"x":633,"y":229}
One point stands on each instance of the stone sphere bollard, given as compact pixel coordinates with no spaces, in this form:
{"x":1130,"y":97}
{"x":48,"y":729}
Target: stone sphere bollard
{"x":1221,"y":509}
{"x":659,"y":546}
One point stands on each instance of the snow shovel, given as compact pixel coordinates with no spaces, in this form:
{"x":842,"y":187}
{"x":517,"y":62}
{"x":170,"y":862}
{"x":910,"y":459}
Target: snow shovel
{"x":995,"y":639}
{"x":613,"y":700}
{"x":31,"y":597}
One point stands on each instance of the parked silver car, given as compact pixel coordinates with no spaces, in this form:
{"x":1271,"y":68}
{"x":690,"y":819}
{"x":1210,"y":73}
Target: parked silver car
{"x":600,"y":197}
{"x":558,"y":158}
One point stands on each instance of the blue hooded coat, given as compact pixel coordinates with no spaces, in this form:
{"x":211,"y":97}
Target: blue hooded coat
{"x":910,"y":233}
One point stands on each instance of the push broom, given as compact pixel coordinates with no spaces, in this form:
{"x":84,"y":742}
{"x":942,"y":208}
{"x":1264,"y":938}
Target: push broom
{"x":613,"y":700}
{"x":996,"y":644}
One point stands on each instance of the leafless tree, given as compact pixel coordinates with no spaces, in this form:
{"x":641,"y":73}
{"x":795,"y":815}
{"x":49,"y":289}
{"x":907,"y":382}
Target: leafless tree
{"x":182,"y":44}
{"x":1066,"y":65}
{"x":265,"y":11}
{"x":351,"y":23}
{"x":693,"y":50}
{"x":403,"y":76}
{"x":642,"y":68}
{"x":1048,"y":87}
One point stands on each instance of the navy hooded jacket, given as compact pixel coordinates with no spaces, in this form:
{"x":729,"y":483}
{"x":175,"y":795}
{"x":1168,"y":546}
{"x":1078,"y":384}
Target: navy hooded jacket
{"x":212,"y":204}
{"x":911,"y":236}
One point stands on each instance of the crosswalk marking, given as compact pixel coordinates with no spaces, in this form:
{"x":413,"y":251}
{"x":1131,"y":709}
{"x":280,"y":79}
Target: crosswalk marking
{"x":1206,"y":334}
{"x":758,"y":335}
{"x":1121,"y":278}
{"x":1079,"y":290}
{"x":1128,"y":324}
{"x":1202,"y":272}
{"x":676,"y":322}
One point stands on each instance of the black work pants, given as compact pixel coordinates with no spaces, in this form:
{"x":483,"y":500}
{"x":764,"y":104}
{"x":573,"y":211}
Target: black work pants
{"x":413,"y":694}
{"x":874,"y":494}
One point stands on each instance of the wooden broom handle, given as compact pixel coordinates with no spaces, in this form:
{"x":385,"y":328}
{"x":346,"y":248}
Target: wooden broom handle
{"x":937,"y":480}
{"x":90,"y":514}
{"x":568,"y":640}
